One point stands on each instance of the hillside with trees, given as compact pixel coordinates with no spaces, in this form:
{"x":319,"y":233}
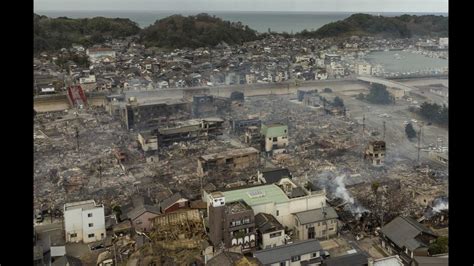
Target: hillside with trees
{"x":62,"y":32}
{"x":195,"y":31}
{"x":404,"y":26}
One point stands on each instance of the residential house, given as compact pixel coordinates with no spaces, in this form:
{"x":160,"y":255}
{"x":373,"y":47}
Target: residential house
{"x":275,"y":136}
{"x":173,"y":203}
{"x":442,"y":260}
{"x":350,"y":259}
{"x":141,"y":216}
{"x":319,"y":223}
{"x":363,"y":69}
{"x":273,"y":175}
{"x":392,"y":261}
{"x":269,"y":231}
{"x":228,"y":160}
{"x":407,"y":238}
{"x":84,"y":221}
{"x":306,"y":252}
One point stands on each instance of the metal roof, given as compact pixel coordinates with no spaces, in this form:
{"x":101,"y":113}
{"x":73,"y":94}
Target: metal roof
{"x":356,"y":259}
{"x":316,"y":215}
{"x":403,"y":230}
{"x":285,"y":252}
{"x":265,"y":194}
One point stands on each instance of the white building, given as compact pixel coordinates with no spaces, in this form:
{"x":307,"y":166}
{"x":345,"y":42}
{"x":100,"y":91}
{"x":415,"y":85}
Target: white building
{"x":87,"y":80}
{"x":84,"y":221}
{"x":363,"y":69}
{"x":282,"y":200}
{"x":443,"y":42}
{"x":98,"y":53}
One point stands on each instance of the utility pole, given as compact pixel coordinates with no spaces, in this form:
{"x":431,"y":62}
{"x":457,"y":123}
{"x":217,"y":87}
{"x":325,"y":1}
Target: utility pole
{"x":384,"y":130}
{"x":100,"y":172}
{"x":363,"y":126}
{"x":77,"y":138}
{"x":419,"y":142}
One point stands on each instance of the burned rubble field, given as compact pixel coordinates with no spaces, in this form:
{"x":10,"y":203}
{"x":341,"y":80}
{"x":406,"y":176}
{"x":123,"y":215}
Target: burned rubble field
{"x":75,"y":158}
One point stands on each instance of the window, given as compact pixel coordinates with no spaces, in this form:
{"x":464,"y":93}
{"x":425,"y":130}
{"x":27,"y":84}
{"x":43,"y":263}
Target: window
{"x":90,"y":235}
{"x":277,"y":234}
{"x":246,"y":221}
{"x":295,"y":258}
{"x":314,"y":255}
{"x":274,"y":139}
{"x":89,"y":214}
{"x":91,"y":224}
{"x":278,"y":213}
{"x":73,"y":235}
{"x":237,"y":222}
{"x":283,"y":263}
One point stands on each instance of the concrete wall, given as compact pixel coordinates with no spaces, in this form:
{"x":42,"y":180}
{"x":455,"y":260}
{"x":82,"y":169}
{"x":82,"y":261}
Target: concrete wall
{"x":268,"y":241}
{"x":76,"y":221}
{"x":318,"y":229}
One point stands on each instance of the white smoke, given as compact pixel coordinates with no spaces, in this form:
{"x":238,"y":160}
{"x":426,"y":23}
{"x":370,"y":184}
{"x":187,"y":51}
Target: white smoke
{"x":337,"y":188}
{"x":440,"y":204}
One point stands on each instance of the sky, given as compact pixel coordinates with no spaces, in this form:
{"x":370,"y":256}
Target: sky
{"x":245,"y":5}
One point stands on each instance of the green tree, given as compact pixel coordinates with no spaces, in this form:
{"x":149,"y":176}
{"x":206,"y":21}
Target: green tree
{"x":338,"y":102}
{"x":378,"y":94}
{"x":410,"y":131}
{"x":439,"y":246}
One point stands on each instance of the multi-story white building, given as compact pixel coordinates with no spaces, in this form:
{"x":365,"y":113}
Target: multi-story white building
{"x":282,"y":200}
{"x":84,"y":221}
{"x":363,"y":69}
{"x":98,"y":53}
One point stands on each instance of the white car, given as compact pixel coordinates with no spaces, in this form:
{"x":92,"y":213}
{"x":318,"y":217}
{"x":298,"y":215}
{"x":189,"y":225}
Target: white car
{"x":414,"y":121}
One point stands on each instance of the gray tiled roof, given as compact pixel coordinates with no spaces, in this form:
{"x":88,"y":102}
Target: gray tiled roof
{"x":403,"y":230}
{"x":137,"y":211}
{"x":166,"y":203}
{"x":267,"y":223}
{"x":285,"y":252}
{"x":356,"y":259}
{"x":432,"y":261}
{"x":316,"y":215}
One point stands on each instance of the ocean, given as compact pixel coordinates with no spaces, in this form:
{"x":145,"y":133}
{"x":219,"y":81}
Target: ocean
{"x":260,"y":21}
{"x":400,"y":61}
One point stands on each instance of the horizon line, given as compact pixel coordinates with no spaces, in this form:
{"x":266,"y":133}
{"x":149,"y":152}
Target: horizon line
{"x":247,"y":11}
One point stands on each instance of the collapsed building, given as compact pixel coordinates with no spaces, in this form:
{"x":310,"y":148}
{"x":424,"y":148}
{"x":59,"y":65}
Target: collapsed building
{"x":206,"y":128}
{"x":209,"y":105}
{"x":228,"y":160}
{"x":375,"y":152}
{"x":143,"y":115}
{"x":240,"y":126}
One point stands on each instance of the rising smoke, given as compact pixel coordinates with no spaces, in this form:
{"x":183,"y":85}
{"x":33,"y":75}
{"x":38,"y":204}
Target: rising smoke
{"x":440,"y":204}
{"x":336,"y":188}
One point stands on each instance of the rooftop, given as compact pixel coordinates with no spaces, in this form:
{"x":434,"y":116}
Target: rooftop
{"x":316,"y":215}
{"x":285,"y":252}
{"x":267,"y":223}
{"x":236,"y":207}
{"x":403,"y":230}
{"x":85,"y":205}
{"x":229,"y":154}
{"x":356,"y":259}
{"x":257,"y":195}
